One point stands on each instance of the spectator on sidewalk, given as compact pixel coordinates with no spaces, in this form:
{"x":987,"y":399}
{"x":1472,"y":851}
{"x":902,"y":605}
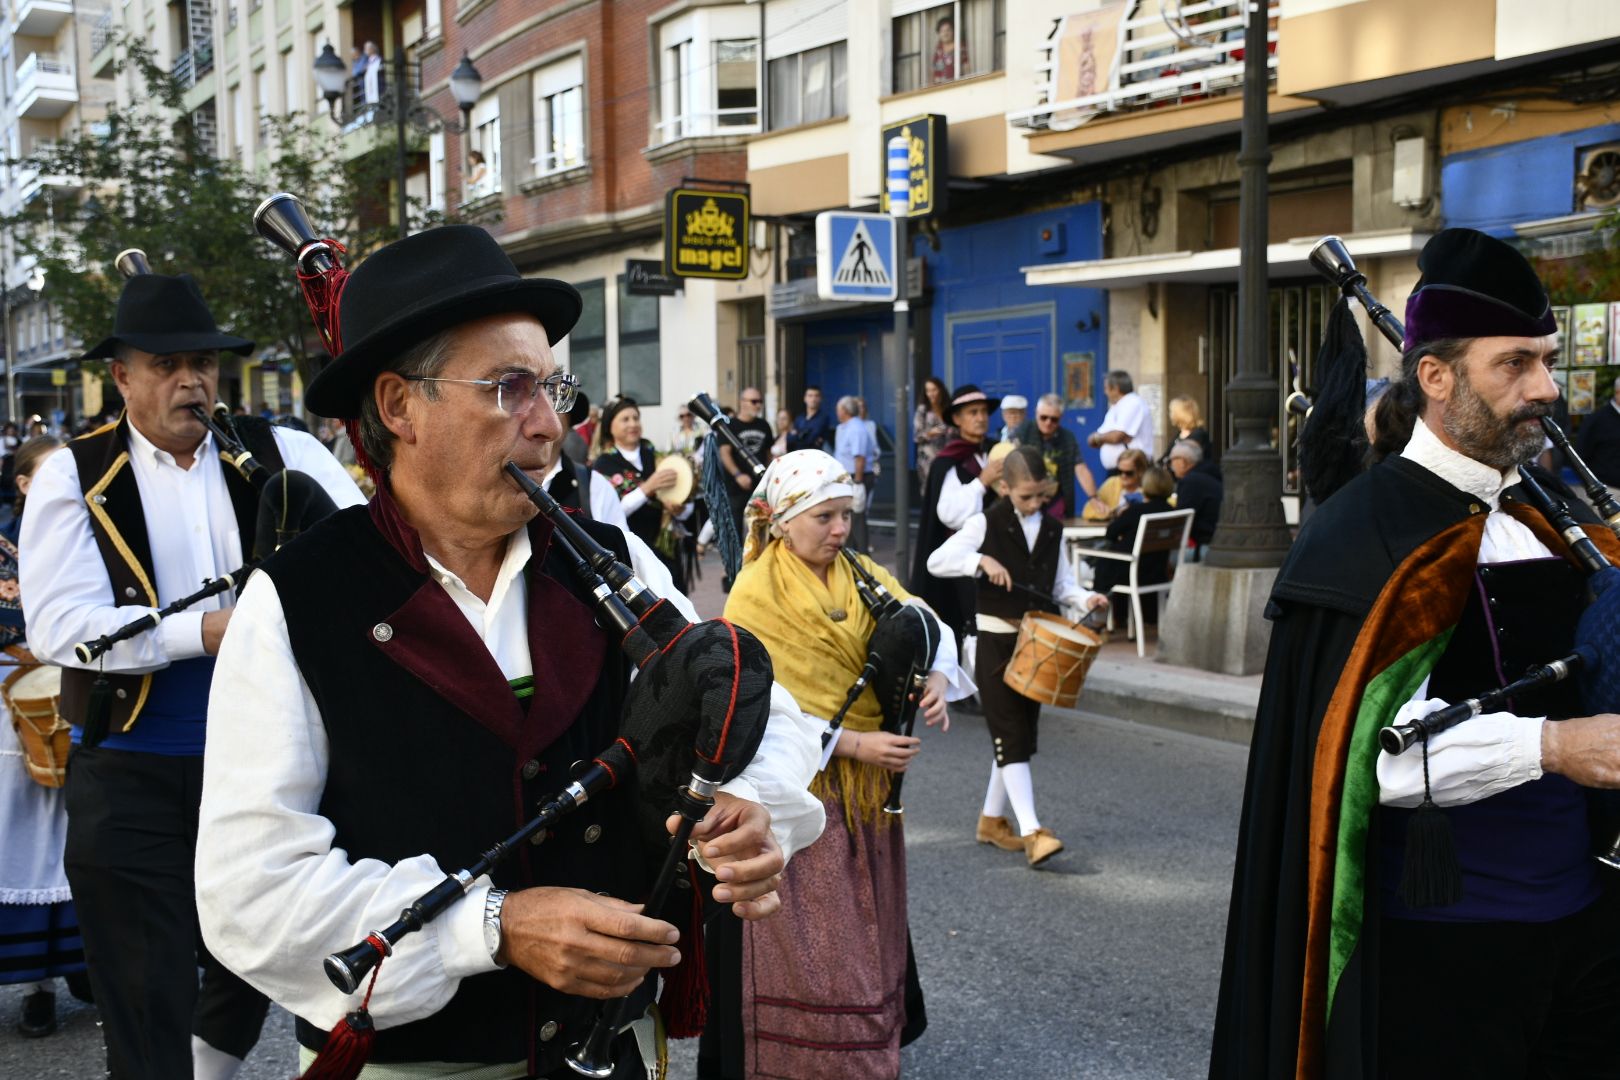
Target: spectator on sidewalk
{"x":1598,"y":441}
{"x":931,"y":426}
{"x":1014,"y":411}
{"x":754,"y":433}
{"x":813,"y":430}
{"x":1128,"y":424}
{"x":1061,"y":451}
{"x":1188,"y":422}
{"x":1196,"y":491}
{"x":855,"y":450}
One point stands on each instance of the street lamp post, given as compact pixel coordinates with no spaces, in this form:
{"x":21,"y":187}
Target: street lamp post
{"x":1252,"y":533}
{"x":466,"y":85}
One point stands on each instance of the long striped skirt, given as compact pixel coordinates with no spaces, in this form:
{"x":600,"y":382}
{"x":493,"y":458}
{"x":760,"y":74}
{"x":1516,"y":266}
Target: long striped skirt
{"x":824,"y":980}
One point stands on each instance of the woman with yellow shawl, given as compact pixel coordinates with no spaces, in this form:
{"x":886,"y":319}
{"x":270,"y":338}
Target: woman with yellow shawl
{"x":828,"y":987}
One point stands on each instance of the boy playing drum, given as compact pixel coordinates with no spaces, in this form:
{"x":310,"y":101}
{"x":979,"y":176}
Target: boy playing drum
{"x":1013,"y":544}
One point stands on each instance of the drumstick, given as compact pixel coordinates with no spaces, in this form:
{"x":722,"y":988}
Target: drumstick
{"x":1090,"y":618}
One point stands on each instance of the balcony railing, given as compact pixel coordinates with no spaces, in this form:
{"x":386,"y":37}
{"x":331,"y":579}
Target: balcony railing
{"x":45,"y":86}
{"x":102,"y":32}
{"x":741,"y":121}
{"x":39,"y":18}
{"x":358,"y":109}
{"x":193,"y":64}
{"x":1159,"y":57}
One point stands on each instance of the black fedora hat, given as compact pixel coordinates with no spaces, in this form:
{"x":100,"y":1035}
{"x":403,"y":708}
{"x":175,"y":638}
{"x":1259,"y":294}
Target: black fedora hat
{"x":161,"y":315}
{"x":420,"y":286}
{"x":972,"y":395}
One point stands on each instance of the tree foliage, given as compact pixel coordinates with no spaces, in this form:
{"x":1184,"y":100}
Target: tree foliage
{"x":148,"y":182}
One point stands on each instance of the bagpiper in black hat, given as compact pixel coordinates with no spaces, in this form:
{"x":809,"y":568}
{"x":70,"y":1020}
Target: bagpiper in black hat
{"x":420,"y":286}
{"x":164,"y":315}
{"x":1474,"y":285}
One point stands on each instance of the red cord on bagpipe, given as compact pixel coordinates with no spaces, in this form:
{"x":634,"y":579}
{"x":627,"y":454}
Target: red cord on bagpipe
{"x":348,"y":1045}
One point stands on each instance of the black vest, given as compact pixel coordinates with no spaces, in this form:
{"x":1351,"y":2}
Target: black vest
{"x":1037,"y":568}
{"x":571,"y":487}
{"x":421,"y":768}
{"x":118,"y":522}
{"x":647,"y":521}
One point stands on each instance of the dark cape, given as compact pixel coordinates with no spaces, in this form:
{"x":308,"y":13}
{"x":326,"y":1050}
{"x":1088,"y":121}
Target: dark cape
{"x":1373,"y":582}
{"x":951,"y":598}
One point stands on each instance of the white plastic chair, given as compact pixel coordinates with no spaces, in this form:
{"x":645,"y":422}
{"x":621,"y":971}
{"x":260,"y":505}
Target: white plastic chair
{"x":1154,"y":533}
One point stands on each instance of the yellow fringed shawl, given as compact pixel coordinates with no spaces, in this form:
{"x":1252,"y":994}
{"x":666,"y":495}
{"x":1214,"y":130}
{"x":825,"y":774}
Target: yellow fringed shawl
{"x":781,"y":601}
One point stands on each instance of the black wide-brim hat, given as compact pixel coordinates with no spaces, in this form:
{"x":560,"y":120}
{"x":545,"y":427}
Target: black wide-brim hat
{"x":162,"y":315}
{"x":972,"y":395}
{"x":1474,"y":285}
{"x":420,"y":286}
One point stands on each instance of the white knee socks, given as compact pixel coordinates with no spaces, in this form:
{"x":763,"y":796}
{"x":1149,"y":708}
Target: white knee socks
{"x":1021,"y":790}
{"x":995,"y":797}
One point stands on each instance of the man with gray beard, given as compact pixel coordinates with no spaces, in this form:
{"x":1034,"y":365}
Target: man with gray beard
{"x":1436,"y":912}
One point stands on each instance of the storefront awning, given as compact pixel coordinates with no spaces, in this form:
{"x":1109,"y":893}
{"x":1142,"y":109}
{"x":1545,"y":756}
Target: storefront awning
{"x":1288,"y":259}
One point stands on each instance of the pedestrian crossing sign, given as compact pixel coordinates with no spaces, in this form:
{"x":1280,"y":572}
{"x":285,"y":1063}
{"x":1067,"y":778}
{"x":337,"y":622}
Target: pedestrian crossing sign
{"x":855,"y":257}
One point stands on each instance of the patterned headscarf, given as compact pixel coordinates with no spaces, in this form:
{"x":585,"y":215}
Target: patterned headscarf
{"x":793,"y":484}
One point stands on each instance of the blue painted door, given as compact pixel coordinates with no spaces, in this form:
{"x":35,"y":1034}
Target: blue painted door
{"x":1005,"y":355}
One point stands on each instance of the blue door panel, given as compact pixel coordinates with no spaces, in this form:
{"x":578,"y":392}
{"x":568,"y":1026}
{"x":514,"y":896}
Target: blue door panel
{"x":1007,"y":355}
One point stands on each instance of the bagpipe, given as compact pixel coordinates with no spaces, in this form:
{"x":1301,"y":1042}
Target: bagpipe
{"x":693,"y":719}
{"x":1597,"y":634}
{"x":901,"y":649}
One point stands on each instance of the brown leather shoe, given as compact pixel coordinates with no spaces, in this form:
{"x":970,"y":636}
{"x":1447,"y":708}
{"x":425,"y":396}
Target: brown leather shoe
{"x":1041,"y":845}
{"x":995,"y":830}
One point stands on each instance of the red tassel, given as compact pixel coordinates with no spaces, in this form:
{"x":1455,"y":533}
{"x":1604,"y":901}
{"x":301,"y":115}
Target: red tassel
{"x":684,"y":1002}
{"x":348,"y":1044}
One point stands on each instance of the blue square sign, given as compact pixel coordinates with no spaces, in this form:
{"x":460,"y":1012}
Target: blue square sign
{"x":855,"y":257}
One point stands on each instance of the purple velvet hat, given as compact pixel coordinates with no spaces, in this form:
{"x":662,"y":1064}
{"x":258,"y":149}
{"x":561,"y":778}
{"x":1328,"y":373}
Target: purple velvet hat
{"x":1474,"y":285}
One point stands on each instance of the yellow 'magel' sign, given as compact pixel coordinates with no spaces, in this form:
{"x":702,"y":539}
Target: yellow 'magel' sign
{"x":706,"y":234}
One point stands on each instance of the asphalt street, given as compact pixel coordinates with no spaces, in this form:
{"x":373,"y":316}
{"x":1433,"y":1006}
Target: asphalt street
{"x":1102,"y":964}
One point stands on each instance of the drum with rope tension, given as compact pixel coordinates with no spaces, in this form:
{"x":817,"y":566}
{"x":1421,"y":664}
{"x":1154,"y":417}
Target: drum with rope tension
{"x":1051,"y":658}
{"x":32,"y":693}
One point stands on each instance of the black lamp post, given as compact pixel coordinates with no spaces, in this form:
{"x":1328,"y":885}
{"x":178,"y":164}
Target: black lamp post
{"x":466,"y":85}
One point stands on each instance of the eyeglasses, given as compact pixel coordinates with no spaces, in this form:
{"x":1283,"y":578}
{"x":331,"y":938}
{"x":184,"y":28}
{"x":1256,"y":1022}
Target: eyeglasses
{"x":1127,"y":472}
{"x":683,"y":416}
{"x":1047,"y":419}
{"x":753,"y":401}
{"x":516,"y":390}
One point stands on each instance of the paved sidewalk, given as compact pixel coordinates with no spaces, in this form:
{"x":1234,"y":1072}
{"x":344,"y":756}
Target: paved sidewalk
{"x":1120,"y":684}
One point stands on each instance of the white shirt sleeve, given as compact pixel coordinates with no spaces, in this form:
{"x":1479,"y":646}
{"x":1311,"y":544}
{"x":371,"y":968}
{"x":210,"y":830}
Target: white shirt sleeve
{"x":1066,"y":590}
{"x":273,"y":895}
{"x":947,"y":661}
{"x":302,"y":451}
{"x":632,"y":500}
{"x":605,"y":504}
{"x":1478,"y":758}
{"x":959,"y":555}
{"x":70,"y":598}
{"x":958,"y":501}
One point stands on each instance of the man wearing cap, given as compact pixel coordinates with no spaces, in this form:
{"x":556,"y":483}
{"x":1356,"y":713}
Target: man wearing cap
{"x":961,"y":487}
{"x":1436,"y":912}
{"x":372,"y":749}
{"x":1014,"y":410}
{"x":135,"y":516}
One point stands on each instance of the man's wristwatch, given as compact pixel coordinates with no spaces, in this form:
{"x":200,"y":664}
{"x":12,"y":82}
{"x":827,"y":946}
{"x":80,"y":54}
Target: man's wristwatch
{"x":493,"y":902}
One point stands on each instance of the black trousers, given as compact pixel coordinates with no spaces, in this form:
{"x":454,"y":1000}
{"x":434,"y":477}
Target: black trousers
{"x":131,"y":843}
{"x":1501,"y":1000}
{"x":1012,"y":718}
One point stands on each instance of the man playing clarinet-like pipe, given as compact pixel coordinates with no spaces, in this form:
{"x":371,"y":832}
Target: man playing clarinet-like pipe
{"x":135,"y":516}
{"x":371,"y":747}
{"x":1436,"y":912}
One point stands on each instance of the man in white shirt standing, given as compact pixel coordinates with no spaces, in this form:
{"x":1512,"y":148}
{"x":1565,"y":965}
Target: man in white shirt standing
{"x":135,"y":516}
{"x":1128,"y":424}
{"x":374,"y":746}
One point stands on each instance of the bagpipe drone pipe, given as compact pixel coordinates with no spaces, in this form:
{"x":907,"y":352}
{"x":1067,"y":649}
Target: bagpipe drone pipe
{"x":1595,"y":659}
{"x":694,"y":716}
